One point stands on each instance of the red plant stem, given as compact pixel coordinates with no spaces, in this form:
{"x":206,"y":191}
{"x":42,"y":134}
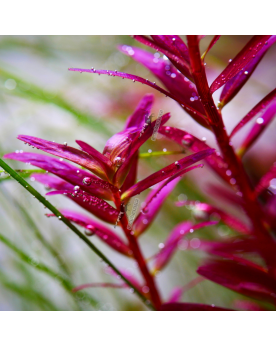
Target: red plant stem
{"x":251,"y":206}
{"x":134,"y":246}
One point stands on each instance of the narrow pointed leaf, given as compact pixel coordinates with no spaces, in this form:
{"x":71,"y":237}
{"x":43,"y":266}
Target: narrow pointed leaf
{"x":166,"y":172}
{"x":66,"y":152}
{"x":264,"y":103}
{"x":101,"y":231}
{"x":243,"y":279}
{"x":175,"y":82}
{"x":68,"y":172}
{"x":226,"y":218}
{"x":192,"y":143}
{"x":174,"y":44}
{"x":181,"y":64}
{"x":212,"y":43}
{"x":153,"y":203}
{"x":165,"y":254}
{"x":97,"y":155}
{"x":93,"y":204}
{"x":190,"y":307}
{"x":234,"y":85}
{"x":258,"y":128}
{"x":244,"y":57}
{"x":139,"y":117}
{"x":135,"y":78}
{"x":141,"y":137}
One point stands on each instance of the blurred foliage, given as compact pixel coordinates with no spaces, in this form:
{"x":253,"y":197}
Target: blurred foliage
{"x":40,"y":260}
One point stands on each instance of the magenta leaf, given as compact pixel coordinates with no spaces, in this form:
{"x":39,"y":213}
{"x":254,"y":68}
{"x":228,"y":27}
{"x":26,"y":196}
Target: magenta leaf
{"x":175,"y":82}
{"x":246,"y":280}
{"x":101,"y":231}
{"x":163,"y":257}
{"x":141,"y":113}
{"x":141,"y":137}
{"x":209,"y":210}
{"x":257,"y":129}
{"x":192,"y":143}
{"x":181,"y":64}
{"x":233,"y":86}
{"x":167,"y":172}
{"x":244,"y":57}
{"x":98,"y":156}
{"x":211,"y":44}
{"x":73,"y":175}
{"x":135,"y":78}
{"x":66,"y":152}
{"x":174,"y":44}
{"x":190,"y":307}
{"x":153,"y":203}
{"x":264,"y":103}
{"x":93,"y":204}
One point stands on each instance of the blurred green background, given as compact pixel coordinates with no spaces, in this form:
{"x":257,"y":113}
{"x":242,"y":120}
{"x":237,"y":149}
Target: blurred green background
{"x":39,"y":258}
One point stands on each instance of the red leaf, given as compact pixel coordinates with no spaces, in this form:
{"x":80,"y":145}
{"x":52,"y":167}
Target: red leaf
{"x":100,"y":230}
{"x":264,"y":103}
{"x":166,"y":172}
{"x":257,"y":129}
{"x":243,"y":279}
{"x":226,"y":218}
{"x":192,"y":143}
{"x":233,"y":86}
{"x":240,"y":61}
{"x":190,"y":307}
{"x":68,"y":153}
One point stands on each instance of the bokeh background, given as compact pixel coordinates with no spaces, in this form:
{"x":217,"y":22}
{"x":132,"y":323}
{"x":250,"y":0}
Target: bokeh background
{"x":40,"y":97}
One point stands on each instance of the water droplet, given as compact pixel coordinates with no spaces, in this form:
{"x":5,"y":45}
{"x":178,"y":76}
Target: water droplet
{"x":65,"y":143}
{"x":87,"y":181}
{"x":145,"y":289}
{"x":76,"y":188}
{"x":228,"y":172}
{"x":233,"y":181}
{"x":245,"y":72}
{"x":161,"y":246}
{"x":118,"y":161}
{"x":187,"y":140}
{"x":260,"y":121}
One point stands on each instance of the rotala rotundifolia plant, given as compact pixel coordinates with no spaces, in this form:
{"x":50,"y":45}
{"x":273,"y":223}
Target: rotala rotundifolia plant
{"x":103,"y":183}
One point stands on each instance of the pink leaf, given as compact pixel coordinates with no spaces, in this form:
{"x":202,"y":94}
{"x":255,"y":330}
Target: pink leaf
{"x":135,"y":78}
{"x":257,"y":129}
{"x":166,"y":172}
{"x":233,"y":86}
{"x":73,"y":175}
{"x":244,"y":57}
{"x":226,"y":218}
{"x":175,"y":82}
{"x":243,"y":279}
{"x":190,"y":307}
{"x":153,"y":203}
{"x":192,"y":143}
{"x":139,"y":117}
{"x":94,"y":205}
{"x":264,"y":103}
{"x":66,"y":152}
{"x":105,"y":234}
{"x":181,"y":64}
